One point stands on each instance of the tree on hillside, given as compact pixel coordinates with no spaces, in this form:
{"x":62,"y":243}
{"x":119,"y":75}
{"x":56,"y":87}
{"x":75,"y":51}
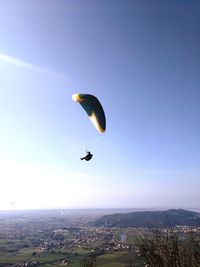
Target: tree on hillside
{"x":89,"y":262}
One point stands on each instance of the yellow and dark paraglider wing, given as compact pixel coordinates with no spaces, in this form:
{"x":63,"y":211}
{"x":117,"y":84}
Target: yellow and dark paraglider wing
{"x":93,"y":108}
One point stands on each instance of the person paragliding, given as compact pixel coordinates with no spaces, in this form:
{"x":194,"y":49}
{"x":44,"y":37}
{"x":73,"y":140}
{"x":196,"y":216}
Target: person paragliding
{"x":88,"y":156}
{"x":96,"y":114}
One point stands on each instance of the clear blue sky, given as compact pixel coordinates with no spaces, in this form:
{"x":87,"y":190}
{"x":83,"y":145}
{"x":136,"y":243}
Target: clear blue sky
{"x":142,"y":60}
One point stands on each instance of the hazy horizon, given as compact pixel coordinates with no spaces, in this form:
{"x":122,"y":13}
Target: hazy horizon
{"x":90,"y":209}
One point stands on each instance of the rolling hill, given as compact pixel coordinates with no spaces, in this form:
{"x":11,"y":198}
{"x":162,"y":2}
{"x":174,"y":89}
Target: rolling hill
{"x":150,"y":219}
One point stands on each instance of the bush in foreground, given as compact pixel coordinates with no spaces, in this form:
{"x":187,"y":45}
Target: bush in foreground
{"x":169,"y":250}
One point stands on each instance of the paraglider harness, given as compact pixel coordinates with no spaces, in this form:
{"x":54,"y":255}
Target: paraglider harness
{"x":88,"y":156}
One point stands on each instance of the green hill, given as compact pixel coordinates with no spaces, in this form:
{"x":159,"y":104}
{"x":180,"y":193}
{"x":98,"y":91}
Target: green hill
{"x":150,"y":219}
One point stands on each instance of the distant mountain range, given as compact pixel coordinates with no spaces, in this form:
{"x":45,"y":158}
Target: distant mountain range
{"x":150,"y":219}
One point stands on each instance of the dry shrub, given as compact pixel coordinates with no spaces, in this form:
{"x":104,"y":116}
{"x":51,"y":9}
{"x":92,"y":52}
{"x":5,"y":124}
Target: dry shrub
{"x":169,"y":250}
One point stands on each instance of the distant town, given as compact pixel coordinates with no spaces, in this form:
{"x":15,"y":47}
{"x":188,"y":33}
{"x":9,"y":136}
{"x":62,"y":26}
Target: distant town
{"x":49,"y":238}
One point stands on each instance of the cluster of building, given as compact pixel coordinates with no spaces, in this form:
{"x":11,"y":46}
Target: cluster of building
{"x":49,"y":238}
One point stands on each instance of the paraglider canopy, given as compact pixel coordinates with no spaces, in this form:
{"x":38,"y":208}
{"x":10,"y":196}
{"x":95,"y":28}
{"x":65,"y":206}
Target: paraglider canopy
{"x":93,"y":108}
